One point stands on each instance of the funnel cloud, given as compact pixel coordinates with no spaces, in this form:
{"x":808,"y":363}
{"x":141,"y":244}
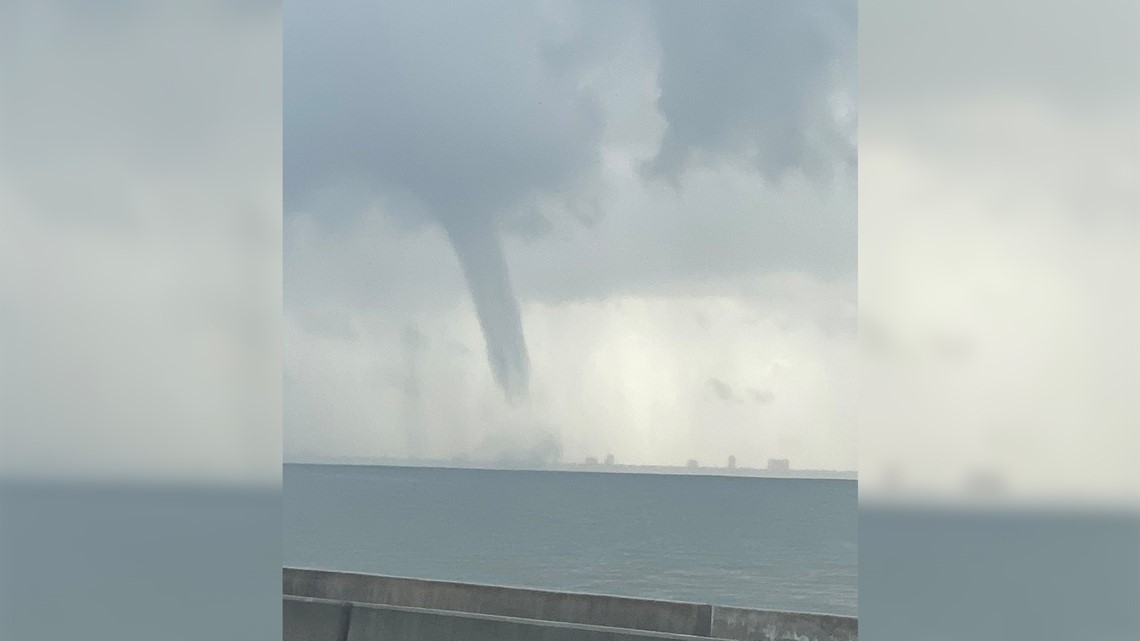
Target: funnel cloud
{"x":485,"y":270}
{"x":433,"y":109}
{"x":565,"y":186}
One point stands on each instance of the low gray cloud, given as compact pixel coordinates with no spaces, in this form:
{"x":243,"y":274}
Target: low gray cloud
{"x":724,"y":391}
{"x":538,"y":448}
{"x":451,"y":161}
{"x":721,"y":389}
{"x":761,"y":397}
{"x":139,"y":198}
{"x":444,"y":111}
{"x":752,"y":79}
{"x":462,"y":116}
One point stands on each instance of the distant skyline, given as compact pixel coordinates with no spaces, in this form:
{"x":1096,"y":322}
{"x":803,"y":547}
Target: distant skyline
{"x":546,"y":231}
{"x":462,"y":461}
{"x":595,"y":467}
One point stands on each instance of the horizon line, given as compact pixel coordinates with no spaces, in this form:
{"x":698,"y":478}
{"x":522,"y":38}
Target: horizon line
{"x":589,"y":467}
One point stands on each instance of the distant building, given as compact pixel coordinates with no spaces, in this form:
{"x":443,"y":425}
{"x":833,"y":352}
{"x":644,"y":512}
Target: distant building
{"x":609,"y":459}
{"x":591,"y":460}
{"x":692,"y":464}
{"x":778,"y":465}
{"x":732,"y":462}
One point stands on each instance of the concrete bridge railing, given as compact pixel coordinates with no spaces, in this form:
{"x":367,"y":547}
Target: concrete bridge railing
{"x":428,"y":609}
{"x":321,"y":620}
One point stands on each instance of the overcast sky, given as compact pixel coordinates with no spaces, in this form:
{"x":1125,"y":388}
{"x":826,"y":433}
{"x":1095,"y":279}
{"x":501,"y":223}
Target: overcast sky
{"x":140,"y":182}
{"x":556,"y":229}
{"x":998,"y":235}
{"x":540,"y":230}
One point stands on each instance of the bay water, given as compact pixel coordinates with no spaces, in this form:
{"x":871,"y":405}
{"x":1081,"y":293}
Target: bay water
{"x":773,"y":543}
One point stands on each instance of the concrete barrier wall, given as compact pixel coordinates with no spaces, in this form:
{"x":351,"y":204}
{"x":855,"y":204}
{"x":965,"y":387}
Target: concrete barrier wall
{"x":567,"y":607}
{"x":762,"y":625}
{"x":545,"y":607}
{"x":321,"y":620}
{"x":309,"y":620}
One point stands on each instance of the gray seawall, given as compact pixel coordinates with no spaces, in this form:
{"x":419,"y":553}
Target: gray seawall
{"x":321,"y":620}
{"x":319,"y":605}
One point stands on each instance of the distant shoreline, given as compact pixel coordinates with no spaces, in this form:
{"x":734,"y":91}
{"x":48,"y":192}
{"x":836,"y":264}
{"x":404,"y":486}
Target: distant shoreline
{"x":741,"y":472}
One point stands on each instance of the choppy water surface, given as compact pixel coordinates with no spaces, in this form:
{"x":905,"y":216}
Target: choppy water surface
{"x":767,"y":543}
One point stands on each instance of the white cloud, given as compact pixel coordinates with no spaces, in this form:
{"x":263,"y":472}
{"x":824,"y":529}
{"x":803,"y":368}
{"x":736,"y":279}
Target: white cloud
{"x":626,"y":375}
{"x":610,"y":268}
{"x":996,"y":261}
{"x":138,"y":237}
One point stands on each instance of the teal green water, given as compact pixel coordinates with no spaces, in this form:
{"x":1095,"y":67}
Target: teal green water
{"x":765,"y":543}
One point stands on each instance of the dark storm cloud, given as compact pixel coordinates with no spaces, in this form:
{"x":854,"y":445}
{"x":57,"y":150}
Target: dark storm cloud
{"x":459,"y":114}
{"x":448,"y":103}
{"x":750,"y":79}
{"x":452,"y":112}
